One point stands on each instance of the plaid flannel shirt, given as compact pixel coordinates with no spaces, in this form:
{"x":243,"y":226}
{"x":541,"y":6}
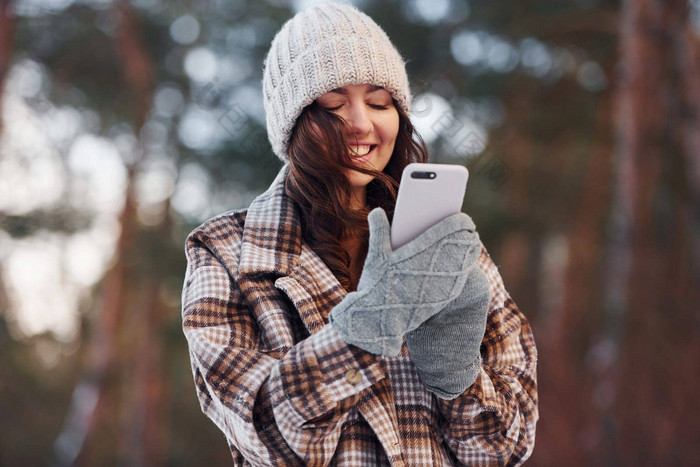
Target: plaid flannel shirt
{"x":285,"y":389}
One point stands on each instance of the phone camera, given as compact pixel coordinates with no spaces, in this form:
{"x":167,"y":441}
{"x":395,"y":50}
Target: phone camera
{"x":423,"y":175}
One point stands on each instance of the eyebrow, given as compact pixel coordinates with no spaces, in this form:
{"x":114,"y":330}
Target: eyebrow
{"x":344,"y":92}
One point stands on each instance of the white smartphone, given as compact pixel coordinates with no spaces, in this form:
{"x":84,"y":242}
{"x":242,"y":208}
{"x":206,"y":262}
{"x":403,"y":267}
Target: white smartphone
{"x":428,"y":193}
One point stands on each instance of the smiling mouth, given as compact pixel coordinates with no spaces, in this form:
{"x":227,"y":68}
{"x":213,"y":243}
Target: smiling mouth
{"x":362,"y":153}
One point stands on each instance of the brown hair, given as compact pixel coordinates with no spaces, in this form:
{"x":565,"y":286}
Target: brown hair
{"x":319,"y":157}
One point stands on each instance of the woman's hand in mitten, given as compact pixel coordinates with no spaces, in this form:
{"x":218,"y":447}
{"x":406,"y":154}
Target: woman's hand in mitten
{"x":400,"y":289}
{"x":445,"y":348}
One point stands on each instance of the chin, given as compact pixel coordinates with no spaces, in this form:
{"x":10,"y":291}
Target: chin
{"x":359,"y":180}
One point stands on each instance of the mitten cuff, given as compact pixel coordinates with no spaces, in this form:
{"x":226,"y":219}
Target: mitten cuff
{"x":449,"y":386}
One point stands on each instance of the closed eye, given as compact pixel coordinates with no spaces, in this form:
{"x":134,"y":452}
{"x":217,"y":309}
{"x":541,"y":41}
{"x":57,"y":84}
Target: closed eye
{"x":333,"y":109}
{"x":374,"y":106}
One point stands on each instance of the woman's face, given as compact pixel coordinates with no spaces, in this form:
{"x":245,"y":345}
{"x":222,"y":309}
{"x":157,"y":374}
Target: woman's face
{"x":373,"y":123}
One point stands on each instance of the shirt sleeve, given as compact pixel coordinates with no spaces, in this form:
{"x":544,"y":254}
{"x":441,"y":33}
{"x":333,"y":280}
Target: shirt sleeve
{"x":284,"y":406}
{"x":493,"y":421}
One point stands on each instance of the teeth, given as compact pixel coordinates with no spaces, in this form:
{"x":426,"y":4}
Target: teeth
{"x":359,"y":150}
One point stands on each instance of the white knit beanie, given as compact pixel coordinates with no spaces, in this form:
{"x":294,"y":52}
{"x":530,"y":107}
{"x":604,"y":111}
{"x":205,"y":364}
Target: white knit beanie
{"x":324,"y":47}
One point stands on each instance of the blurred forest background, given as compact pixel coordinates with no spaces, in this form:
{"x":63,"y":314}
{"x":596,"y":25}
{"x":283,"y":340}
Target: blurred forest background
{"x":124,"y":124}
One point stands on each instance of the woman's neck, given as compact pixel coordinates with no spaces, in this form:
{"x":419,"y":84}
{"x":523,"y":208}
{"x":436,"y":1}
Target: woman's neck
{"x":358,"y":198}
{"x":356,"y":248}
{"x":354,"y":243}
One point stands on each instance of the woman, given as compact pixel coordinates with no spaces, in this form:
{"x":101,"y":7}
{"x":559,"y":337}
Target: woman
{"x":312,"y":343}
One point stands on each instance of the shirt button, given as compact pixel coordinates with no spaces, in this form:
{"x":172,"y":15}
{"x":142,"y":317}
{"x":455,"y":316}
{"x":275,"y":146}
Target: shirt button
{"x":353,"y":376}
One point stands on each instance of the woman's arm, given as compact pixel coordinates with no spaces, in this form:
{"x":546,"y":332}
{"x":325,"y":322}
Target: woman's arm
{"x":493,"y":422}
{"x":280,"y":406}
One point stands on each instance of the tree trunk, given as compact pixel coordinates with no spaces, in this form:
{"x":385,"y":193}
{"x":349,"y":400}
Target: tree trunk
{"x":516,"y":249}
{"x":144,"y":390}
{"x":97,"y":384}
{"x":7,"y":37}
{"x":108,"y":365}
{"x":651,"y":296}
{"x":568,"y":332}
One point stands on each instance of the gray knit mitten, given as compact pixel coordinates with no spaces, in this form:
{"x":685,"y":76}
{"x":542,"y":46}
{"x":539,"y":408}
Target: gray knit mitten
{"x":445,"y":348}
{"x":400,"y":289}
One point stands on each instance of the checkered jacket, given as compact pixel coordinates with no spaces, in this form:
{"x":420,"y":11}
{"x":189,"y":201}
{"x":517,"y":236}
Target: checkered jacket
{"x":286,"y":390}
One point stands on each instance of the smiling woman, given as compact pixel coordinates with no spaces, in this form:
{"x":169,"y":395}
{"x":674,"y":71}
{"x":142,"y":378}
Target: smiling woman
{"x":311,"y":341}
{"x":371,"y":125}
{"x":367,"y":140}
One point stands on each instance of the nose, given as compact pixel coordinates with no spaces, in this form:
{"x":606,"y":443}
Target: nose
{"x":358,"y":120}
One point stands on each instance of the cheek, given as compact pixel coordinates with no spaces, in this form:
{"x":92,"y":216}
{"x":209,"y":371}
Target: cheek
{"x":390,"y":128}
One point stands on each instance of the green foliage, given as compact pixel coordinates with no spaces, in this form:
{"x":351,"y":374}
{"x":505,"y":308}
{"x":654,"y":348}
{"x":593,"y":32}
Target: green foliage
{"x":64,"y":219}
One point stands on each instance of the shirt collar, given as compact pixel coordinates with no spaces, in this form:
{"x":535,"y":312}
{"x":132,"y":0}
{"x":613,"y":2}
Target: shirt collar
{"x":271,"y":239}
